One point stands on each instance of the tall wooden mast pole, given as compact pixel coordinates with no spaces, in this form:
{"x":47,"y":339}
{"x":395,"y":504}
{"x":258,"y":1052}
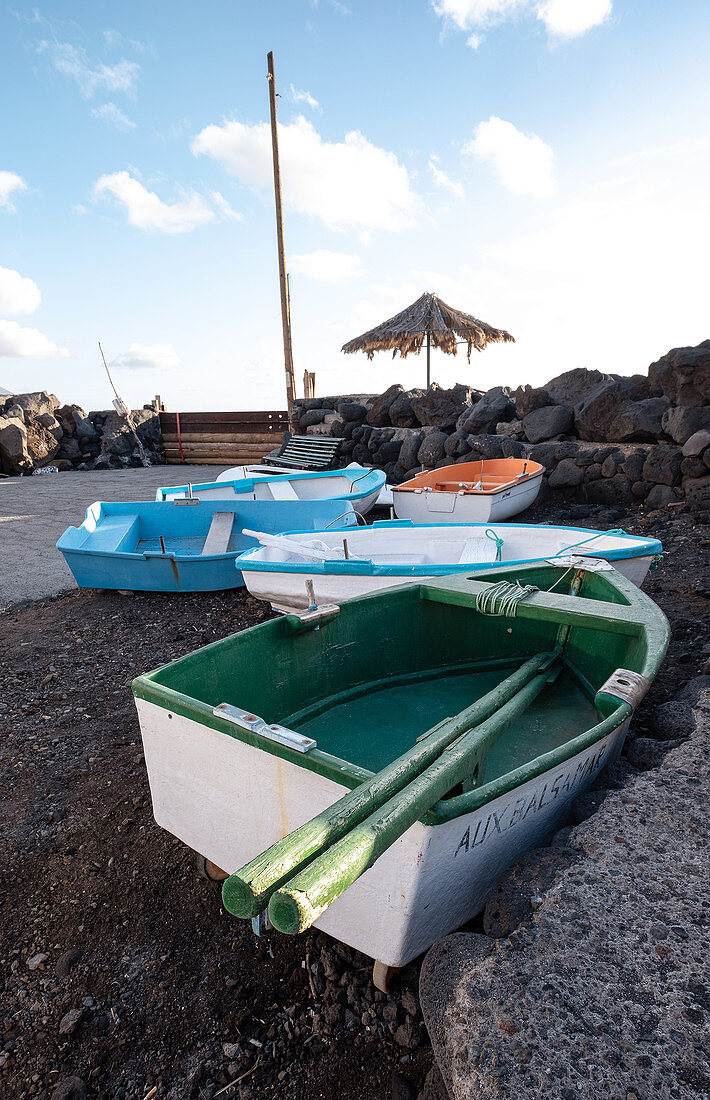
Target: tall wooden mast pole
{"x":283,"y":282}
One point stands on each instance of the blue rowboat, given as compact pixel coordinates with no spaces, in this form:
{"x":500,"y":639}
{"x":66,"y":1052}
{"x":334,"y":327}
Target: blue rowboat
{"x":186,"y":545}
{"x":345,"y":564}
{"x":359,"y":485}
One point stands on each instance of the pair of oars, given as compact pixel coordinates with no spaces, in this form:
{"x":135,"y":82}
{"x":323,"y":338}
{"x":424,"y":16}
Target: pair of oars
{"x":302,"y":874}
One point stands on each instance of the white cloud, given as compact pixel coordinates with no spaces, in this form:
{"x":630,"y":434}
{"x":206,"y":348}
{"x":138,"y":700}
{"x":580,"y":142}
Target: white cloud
{"x":441,"y":179}
{"x":113,"y":116}
{"x":17,"y":293}
{"x":523,"y":162}
{"x":148,"y":212}
{"x":27,"y":343}
{"x":225,"y":207}
{"x":562,"y":18}
{"x":304,"y":97}
{"x":73,"y":62}
{"x":10,"y":184}
{"x":148,"y":357}
{"x":569,"y":18}
{"x":466,"y":14}
{"x":326,"y":266}
{"x":351,"y":184}
{"x":474,"y":41}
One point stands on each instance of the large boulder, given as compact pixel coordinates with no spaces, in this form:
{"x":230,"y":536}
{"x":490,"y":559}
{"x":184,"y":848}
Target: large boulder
{"x":310,"y":417}
{"x":116,"y":437}
{"x":485,"y":446}
{"x":547,"y":422}
{"x":410,"y":448}
{"x":696,"y":444}
{"x":14,"y":456}
{"x":594,"y":416}
{"x":662,"y":467}
{"x":38,"y":402}
{"x":512,"y":901}
{"x":147,"y":424}
{"x":638,"y":421}
{"x":457,"y":445}
{"x":83,"y":427}
{"x":574,"y":386}
{"x":378,"y":415}
{"x":42,"y":443}
{"x":685,"y":420}
{"x":442,"y":408}
{"x":401,"y":413}
{"x":697,"y":492}
{"x":512,"y":428}
{"x":495,"y":404}
{"x":432,"y":449}
{"x":566,"y":475}
{"x":684,"y":375}
{"x":351,"y":411}
{"x":529,"y":398}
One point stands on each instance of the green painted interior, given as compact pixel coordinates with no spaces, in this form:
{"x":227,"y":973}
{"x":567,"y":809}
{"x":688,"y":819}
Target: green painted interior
{"x":392,"y":664}
{"x":374,"y":728}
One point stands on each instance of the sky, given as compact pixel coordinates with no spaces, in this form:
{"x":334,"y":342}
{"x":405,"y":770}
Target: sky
{"x":542,"y":164}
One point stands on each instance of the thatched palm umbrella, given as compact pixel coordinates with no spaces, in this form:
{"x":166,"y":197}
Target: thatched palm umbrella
{"x":430,"y":317}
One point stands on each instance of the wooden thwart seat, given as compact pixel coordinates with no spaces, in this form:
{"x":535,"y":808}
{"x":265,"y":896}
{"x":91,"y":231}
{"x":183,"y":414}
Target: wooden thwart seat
{"x":306,"y":452}
{"x":282,"y":490}
{"x":219,"y":533}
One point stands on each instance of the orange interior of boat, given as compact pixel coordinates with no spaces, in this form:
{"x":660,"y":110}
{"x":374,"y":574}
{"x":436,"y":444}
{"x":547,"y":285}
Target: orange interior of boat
{"x":487,"y":476}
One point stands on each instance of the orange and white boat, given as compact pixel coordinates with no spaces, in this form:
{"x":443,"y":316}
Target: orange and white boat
{"x":470,"y":492}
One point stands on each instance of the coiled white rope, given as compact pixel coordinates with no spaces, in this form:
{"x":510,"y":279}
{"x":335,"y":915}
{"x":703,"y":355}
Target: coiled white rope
{"x":503,"y":598}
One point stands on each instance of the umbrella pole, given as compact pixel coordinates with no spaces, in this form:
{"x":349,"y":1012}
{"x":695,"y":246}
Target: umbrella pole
{"x":428,"y":360}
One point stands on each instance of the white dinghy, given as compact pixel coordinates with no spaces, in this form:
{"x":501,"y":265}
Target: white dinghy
{"x":344,"y":564}
{"x":487,"y":491}
{"x":357,"y":484}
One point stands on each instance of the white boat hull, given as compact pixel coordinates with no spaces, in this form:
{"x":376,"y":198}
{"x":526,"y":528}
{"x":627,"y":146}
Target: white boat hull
{"x":432,"y":880}
{"x":435,"y":506}
{"x":346,"y":485}
{"x":287,"y":591}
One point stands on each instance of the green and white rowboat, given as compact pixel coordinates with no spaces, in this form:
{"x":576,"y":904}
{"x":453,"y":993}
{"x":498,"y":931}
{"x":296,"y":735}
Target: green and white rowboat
{"x":451,"y":723}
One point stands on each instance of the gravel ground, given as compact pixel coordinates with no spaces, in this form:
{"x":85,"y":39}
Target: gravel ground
{"x":122,"y":975}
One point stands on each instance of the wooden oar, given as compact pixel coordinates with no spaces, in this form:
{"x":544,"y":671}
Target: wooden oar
{"x":281,"y":542}
{"x":295,"y":906}
{"x":247,"y":891}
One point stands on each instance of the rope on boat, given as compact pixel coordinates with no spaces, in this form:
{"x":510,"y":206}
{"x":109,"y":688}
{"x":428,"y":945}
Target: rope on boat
{"x":599,"y":534}
{"x":503,"y":598}
{"x":359,"y":516}
{"x":490,"y":534}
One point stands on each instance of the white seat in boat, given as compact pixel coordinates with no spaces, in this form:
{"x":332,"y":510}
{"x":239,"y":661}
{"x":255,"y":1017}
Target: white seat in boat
{"x":477,"y":550}
{"x":282,"y":490}
{"x":218,"y":535}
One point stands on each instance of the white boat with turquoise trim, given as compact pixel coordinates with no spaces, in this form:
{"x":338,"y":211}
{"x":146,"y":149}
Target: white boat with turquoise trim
{"x":372,"y":769}
{"x":344,"y":564}
{"x":354,"y":484}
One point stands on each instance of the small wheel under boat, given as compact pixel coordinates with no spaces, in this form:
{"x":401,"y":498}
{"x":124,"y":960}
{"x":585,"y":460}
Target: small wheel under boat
{"x":209,"y":870}
{"x":382,"y":976}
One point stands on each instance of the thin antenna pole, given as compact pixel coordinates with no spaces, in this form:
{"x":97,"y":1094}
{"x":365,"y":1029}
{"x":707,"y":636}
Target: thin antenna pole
{"x":283,"y":281}
{"x":107,"y":370}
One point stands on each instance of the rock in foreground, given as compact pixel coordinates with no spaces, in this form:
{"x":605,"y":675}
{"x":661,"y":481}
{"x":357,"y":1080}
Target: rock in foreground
{"x":605,"y":990}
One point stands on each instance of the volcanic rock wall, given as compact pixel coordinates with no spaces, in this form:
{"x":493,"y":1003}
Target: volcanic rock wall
{"x":602,"y":438}
{"x":35,"y":431}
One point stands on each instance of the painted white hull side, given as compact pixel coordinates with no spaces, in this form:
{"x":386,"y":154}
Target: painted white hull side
{"x":287,"y":591}
{"x":210,"y":790}
{"x":438,"y":507}
{"x":635,"y":569}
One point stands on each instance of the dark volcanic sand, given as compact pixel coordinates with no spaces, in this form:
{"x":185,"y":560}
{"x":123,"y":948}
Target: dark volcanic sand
{"x":145,"y":977}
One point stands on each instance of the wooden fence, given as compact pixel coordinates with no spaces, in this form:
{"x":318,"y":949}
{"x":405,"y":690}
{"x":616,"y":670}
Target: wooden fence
{"x":221,"y":438}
